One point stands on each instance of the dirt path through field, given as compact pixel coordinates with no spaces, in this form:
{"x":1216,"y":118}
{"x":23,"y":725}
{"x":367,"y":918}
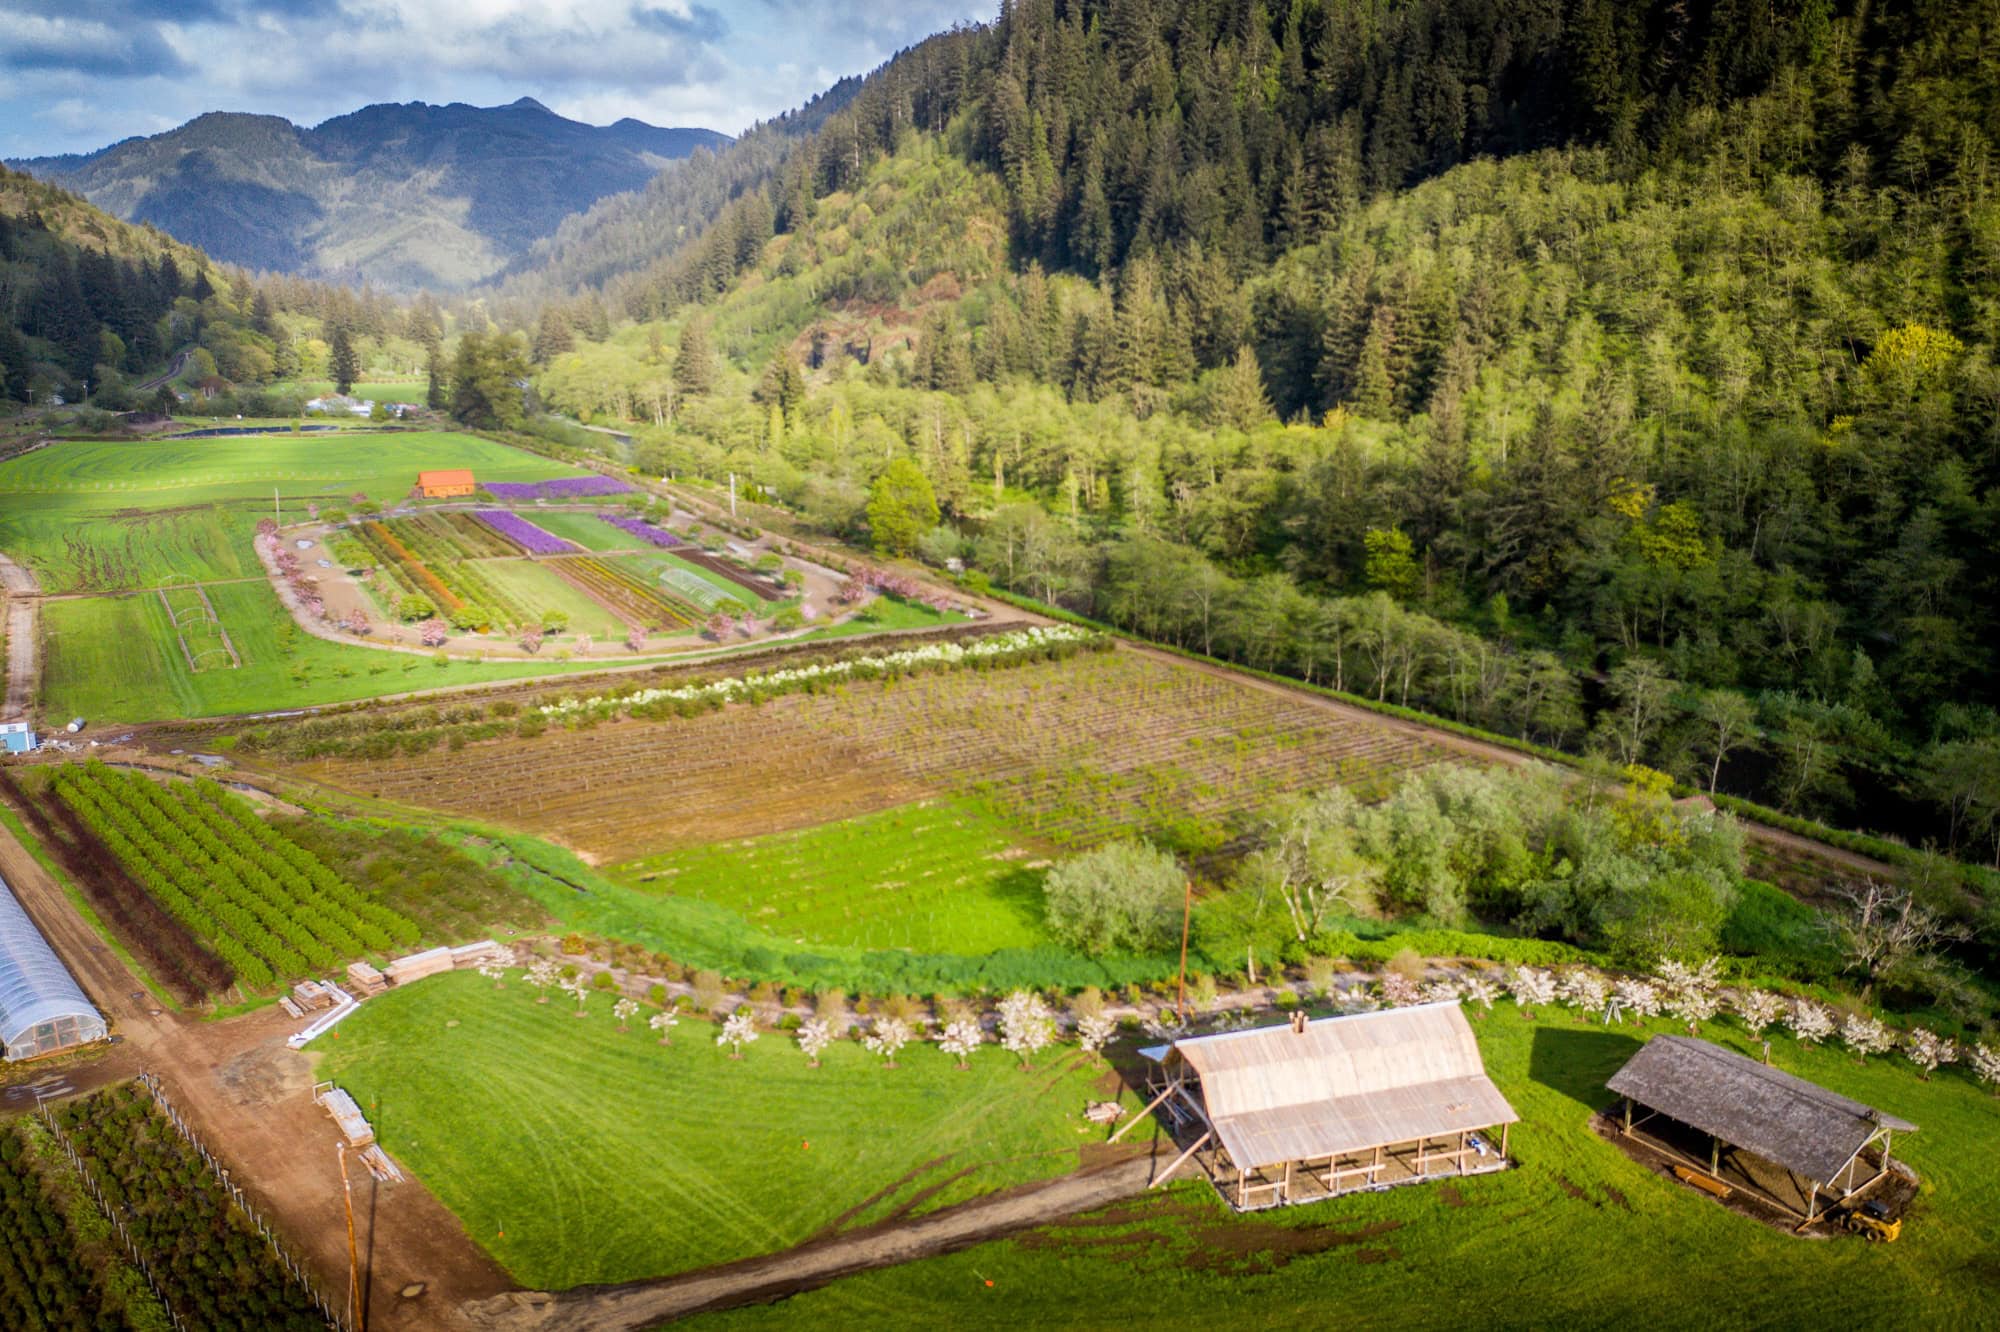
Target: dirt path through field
{"x":24,"y":640}
{"x":809,"y":1266}
{"x":248,"y":1096}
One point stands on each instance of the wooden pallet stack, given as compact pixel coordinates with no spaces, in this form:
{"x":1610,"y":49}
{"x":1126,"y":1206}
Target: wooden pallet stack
{"x":365,"y":980}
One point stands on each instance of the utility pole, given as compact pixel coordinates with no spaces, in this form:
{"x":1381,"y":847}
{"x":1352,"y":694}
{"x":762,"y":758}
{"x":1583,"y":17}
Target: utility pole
{"x":276,"y":516}
{"x":732,"y":496}
{"x":353,"y":1262}
{"x":1187,"y":918}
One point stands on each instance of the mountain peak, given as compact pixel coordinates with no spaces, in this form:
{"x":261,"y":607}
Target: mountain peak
{"x":528,"y":104}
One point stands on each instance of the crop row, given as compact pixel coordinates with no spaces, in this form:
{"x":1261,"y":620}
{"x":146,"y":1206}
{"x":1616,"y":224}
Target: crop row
{"x":411,"y":572}
{"x":269,"y":908}
{"x":441,"y":558}
{"x":43,"y":1284}
{"x":202,"y":1253}
{"x":759,"y":587}
{"x":468,"y":537}
{"x":621,"y":594}
{"x":165,"y":944}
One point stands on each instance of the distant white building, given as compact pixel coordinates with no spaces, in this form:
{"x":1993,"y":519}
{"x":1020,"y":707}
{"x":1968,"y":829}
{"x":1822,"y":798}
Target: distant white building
{"x":336,"y":404}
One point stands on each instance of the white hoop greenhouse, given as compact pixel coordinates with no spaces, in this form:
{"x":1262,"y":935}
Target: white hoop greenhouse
{"x":42,"y":1010}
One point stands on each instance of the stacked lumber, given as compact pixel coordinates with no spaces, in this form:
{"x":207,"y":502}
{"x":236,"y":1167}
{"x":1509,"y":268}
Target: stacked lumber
{"x":365,"y":979}
{"x":353,"y":1124}
{"x":416,"y":966}
{"x":486,"y":952}
{"x":311,"y":994}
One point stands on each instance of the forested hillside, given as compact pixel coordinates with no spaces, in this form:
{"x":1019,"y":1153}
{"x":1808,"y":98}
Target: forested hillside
{"x":1618,"y":375}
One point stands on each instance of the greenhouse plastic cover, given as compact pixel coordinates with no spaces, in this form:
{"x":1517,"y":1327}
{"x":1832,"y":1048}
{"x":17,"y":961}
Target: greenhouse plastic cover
{"x":35,"y":987}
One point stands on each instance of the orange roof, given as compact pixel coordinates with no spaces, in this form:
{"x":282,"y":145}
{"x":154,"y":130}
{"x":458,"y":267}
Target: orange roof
{"x":455,"y":476}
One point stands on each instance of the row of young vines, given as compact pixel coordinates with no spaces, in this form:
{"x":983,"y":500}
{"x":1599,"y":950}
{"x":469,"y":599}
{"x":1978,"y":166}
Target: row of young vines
{"x":267,"y":907}
{"x":43,"y":1282}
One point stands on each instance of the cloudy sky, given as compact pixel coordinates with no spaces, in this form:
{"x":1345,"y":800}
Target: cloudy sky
{"x":76,"y":75}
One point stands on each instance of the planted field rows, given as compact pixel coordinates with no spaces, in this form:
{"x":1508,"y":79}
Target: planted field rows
{"x":623,"y":595}
{"x":1072,"y":752}
{"x":267,"y":907}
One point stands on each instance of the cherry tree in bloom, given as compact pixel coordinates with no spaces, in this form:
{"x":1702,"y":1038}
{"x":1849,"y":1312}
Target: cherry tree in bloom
{"x":1531,"y":987}
{"x":1438,"y":992}
{"x":1928,"y":1050}
{"x":1585,"y":991}
{"x":624,"y":1010}
{"x":541,"y":975}
{"x":1637,"y":997}
{"x":1866,"y":1036}
{"x":887,"y":1038}
{"x":1985,"y":1061}
{"x":1398,"y":991}
{"x":1094,"y":1031}
{"x":738,"y":1030}
{"x":960,"y":1038}
{"x":1809,"y":1022}
{"x":1026,"y":1025}
{"x":664,"y":1022}
{"x":814,"y":1036}
{"x":1479,"y":990}
{"x":498,"y":975}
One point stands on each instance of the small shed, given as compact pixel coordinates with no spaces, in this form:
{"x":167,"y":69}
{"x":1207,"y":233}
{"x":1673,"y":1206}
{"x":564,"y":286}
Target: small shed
{"x":446,"y":483}
{"x":1314,"y":1109}
{"x":1818,"y":1138}
{"x":17,"y":737}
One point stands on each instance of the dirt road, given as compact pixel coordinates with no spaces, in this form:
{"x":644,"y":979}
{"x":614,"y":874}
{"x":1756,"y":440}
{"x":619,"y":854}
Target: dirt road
{"x":23,"y":638}
{"x":248,"y":1095}
{"x":760,"y":1280}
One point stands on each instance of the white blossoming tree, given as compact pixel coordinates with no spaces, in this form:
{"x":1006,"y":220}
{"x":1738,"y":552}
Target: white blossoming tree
{"x":1093,"y":1032}
{"x":1929,"y":1051}
{"x":542,"y":975}
{"x":1694,"y":1007}
{"x":814,"y":1036}
{"x":1532,"y":987}
{"x":1636,"y":997}
{"x":1438,"y":992}
{"x":1809,"y":1022}
{"x":498,"y":975}
{"x":664,"y":1022}
{"x":1758,"y":1010}
{"x":1398,"y":991}
{"x":887,"y":1037}
{"x":738,"y":1030}
{"x":961,"y":1036}
{"x":1584,"y":990}
{"x":1985,"y":1061}
{"x":624,"y":1010}
{"x":1479,"y":990}
{"x":1866,"y":1036}
{"x":1027,"y":1027}
{"x":578,"y":989}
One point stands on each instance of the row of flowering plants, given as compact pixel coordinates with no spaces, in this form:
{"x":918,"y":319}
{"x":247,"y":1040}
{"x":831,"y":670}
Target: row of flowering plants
{"x":1042,"y":642}
{"x":651,"y":533}
{"x":524,"y":533}
{"x":562,"y":488}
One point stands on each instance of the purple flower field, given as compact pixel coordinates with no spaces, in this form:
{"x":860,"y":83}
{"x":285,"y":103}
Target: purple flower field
{"x":519,"y":530}
{"x":562,"y":488}
{"x":639,"y":527}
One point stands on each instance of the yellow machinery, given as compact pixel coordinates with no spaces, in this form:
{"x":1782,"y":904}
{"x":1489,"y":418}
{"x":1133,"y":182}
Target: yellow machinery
{"x":1872,"y":1221}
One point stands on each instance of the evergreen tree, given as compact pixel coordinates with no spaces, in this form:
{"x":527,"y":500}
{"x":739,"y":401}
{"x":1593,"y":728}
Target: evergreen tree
{"x":343,"y":361}
{"x":435,"y":396}
{"x":694,"y":359}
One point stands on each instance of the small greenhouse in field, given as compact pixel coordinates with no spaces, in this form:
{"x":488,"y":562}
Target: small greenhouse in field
{"x":42,"y":1010}
{"x":1736,"y":1124}
{"x":1315,"y":1109}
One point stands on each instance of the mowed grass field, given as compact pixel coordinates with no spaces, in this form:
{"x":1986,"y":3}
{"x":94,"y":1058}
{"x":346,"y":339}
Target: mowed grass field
{"x":575,"y":1153}
{"x":89,"y":516}
{"x":1577,"y":1237}
{"x":936,"y":876}
{"x":585,"y":529}
{"x":115,"y":659}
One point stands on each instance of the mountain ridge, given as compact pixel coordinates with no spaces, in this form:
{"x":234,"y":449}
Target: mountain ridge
{"x":405,"y":195}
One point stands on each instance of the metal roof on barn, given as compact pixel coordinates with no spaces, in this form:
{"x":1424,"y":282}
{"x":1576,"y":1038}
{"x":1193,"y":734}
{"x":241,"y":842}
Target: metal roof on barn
{"x":450,"y":476}
{"x":1798,"y":1124}
{"x":1342,"y":1084}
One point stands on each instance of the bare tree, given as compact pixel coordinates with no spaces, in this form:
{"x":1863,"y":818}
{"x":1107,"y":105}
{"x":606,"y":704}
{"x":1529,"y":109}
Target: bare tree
{"x":1879,"y":927}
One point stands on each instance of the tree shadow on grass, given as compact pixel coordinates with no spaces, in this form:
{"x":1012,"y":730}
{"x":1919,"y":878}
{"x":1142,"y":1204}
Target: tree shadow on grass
{"x":1020,"y":889}
{"x":1577,"y":1063}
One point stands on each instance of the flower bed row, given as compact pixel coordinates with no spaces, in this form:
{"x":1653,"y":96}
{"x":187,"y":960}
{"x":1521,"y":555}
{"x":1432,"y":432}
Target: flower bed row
{"x":562,"y":488}
{"x":626,"y":597}
{"x":524,"y":533}
{"x":639,"y":527}
{"x":1041,"y":641}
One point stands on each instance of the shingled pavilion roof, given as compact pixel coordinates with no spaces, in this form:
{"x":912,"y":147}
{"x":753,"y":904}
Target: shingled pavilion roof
{"x":1799,"y":1125}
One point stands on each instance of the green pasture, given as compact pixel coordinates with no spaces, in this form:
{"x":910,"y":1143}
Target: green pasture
{"x":94,"y":516}
{"x":576,"y":1153}
{"x":114,"y":659}
{"x":936,"y":877}
{"x":1577,"y":1237}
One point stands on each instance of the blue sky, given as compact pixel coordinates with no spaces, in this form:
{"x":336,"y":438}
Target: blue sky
{"x":76,"y":75}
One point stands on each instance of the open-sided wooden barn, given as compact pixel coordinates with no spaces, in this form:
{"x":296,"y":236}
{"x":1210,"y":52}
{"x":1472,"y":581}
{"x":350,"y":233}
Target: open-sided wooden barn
{"x":1314,"y":1109}
{"x":1819,"y":1140}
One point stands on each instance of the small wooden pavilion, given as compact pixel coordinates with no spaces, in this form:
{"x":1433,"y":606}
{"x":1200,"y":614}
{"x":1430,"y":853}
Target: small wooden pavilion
{"x":1315,"y":1109}
{"x":1818,"y":1141}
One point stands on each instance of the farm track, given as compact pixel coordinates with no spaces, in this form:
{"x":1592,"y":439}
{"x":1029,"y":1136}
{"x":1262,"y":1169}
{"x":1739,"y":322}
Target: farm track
{"x":22,"y":595}
{"x":627,"y":1308}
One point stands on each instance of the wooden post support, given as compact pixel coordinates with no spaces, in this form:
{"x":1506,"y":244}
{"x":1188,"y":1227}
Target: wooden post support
{"x":1187,"y":919}
{"x":1151,"y":1106}
{"x":1288,"y":1181}
{"x":1503,"y":1140}
{"x":1714,"y":1154}
{"x":1178,"y":1161}
{"x":1423,"y":1148}
{"x":1886,"y":1136}
{"x":1461,"y":1151}
{"x":1628,"y":1116}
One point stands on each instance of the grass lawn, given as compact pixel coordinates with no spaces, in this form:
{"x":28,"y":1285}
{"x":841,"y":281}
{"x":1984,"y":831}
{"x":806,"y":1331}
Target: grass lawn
{"x":539,"y":587}
{"x":585,"y":529}
{"x":115,"y":659}
{"x":938,"y":876}
{"x":1578,"y":1236}
{"x":889,"y":613}
{"x":575,"y":1153}
{"x":96,"y":516}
